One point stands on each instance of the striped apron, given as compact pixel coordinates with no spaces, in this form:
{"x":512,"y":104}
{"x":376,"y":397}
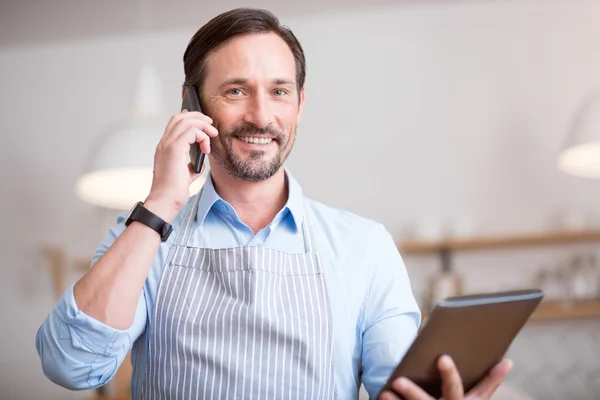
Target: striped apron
{"x":241,"y":323}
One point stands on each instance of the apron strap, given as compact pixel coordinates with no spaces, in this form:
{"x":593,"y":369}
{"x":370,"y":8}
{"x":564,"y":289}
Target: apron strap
{"x":188,"y":220}
{"x":310,"y":240}
{"x":185,"y":228}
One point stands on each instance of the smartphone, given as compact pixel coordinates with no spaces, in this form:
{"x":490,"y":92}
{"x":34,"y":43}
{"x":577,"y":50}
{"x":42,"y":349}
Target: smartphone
{"x":191,"y":102}
{"x":475,"y":330}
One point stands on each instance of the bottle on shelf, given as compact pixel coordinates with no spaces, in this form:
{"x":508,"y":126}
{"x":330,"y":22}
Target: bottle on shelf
{"x":444,"y":283}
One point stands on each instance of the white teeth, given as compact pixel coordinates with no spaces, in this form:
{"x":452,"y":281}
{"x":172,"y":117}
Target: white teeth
{"x":256,"y":140}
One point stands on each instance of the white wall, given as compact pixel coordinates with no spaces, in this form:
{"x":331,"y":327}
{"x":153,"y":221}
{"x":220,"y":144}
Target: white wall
{"x":415,"y":113}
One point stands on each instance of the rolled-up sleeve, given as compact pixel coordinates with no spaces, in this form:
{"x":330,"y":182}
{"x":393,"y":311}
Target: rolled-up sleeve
{"x":392,"y":313}
{"x":79,"y":352}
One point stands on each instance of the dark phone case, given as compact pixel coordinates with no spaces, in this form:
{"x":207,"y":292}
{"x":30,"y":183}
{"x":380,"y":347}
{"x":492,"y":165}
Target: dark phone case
{"x":191,"y":102}
{"x":475,"y":330}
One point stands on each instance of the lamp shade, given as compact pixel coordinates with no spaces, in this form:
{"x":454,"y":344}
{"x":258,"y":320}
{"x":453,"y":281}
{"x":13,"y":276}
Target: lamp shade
{"x":119,"y":169}
{"x":580,"y":154}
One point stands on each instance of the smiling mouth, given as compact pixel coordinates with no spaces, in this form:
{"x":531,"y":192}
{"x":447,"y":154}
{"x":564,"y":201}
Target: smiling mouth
{"x":255,"y":140}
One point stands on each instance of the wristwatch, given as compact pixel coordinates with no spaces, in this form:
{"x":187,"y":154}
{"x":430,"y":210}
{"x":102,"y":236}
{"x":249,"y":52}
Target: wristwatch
{"x":141,"y":214}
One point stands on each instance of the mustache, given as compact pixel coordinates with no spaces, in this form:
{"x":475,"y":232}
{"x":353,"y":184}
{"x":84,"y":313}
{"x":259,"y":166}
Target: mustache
{"x":253,"y":130}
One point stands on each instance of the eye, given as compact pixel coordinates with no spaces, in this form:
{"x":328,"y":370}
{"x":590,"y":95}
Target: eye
{"x":235,"y":92}
{"x":280,"y":92}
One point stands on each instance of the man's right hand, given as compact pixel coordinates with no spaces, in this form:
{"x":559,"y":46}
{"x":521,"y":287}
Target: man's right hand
{"x":173,"y":174}
{"x":111,"y":290}
{"x":452,"y":387}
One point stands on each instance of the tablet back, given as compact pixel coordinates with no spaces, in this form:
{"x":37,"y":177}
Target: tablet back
{"x":475,"y":330}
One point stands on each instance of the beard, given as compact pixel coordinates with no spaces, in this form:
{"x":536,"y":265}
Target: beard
{"x":256,"y":167}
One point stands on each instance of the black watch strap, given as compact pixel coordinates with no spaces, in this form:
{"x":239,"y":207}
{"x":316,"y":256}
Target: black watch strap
{"x":141,"y":214}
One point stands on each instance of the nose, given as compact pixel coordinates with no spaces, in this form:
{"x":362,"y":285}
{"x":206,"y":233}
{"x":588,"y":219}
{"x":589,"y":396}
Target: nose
{"x":258,"y":111}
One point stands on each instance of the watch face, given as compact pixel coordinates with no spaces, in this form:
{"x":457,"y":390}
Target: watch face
{"x":167,"y":229}
{"x":133,"y":209}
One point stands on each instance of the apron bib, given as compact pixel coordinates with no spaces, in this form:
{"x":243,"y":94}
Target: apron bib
{"x":241,"y":323}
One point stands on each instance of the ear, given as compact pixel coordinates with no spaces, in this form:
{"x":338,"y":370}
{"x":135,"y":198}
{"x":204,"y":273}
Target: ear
{"x":301,"y":105}
{"x":182,"y":92}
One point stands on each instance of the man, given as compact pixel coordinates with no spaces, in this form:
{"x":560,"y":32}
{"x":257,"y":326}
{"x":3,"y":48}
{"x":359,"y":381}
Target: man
{"x":259,"y":292}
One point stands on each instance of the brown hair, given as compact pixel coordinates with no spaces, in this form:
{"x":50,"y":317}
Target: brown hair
{"x":239,"y":21}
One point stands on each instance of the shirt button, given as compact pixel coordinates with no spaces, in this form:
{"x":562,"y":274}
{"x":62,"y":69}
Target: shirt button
{"x":223,"y":207}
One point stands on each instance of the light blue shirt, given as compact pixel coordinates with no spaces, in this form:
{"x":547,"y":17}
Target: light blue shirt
{"x":375,"y":315}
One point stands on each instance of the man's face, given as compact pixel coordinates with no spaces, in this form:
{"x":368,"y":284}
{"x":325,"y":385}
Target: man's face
{"x":250,"y":93}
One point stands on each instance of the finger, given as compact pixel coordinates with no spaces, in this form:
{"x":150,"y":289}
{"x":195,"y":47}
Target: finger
{"x":452,"y":387}
{"x":192,"y":114}
{"x":196,"y":114}
{"x":194,"y":135}
{"x":387,"y":395}
{"x":185,"y":115}
{"x":410,"y":390}
{"x":172,"y":122}
{"x":204,"y":140}
{"x":193,"y":174}
{"x":174,"y":132}
{"x":492,"y":381}
{"x":186,"y":124}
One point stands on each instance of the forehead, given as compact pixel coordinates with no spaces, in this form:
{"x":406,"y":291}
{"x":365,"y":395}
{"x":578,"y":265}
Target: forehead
{"x":254,"y":57}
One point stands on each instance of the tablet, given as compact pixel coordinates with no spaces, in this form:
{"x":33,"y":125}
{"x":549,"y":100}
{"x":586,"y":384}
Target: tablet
{"x":475,"y":330}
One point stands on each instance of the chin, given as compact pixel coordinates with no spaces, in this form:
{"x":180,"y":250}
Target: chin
{"x":254,"y":157}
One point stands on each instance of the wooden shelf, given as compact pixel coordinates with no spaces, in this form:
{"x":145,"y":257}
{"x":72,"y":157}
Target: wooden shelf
{"x":563,"y":310}
{"x":554,"y":310}
{"x":475,"y":243}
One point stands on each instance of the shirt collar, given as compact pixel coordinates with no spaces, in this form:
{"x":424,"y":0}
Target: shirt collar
{"x":208,"y":197}
{"x":295,"y":202}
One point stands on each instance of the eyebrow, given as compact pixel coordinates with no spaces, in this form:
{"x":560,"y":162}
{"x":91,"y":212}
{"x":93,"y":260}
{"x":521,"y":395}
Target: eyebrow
{"x":243,"y":81}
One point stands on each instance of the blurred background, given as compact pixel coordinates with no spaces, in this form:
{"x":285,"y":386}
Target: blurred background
{"x":465,"y":127}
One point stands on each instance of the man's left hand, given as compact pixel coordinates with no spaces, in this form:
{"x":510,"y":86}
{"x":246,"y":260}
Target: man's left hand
{"x":452,"y":388}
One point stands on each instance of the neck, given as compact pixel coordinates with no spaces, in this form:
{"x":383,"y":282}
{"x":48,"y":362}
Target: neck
{"x":256,"y":203}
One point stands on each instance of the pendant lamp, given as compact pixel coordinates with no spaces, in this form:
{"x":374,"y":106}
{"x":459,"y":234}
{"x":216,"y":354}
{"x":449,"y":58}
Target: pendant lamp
{"x":119,"y":170}
{"x":580,"y":154}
